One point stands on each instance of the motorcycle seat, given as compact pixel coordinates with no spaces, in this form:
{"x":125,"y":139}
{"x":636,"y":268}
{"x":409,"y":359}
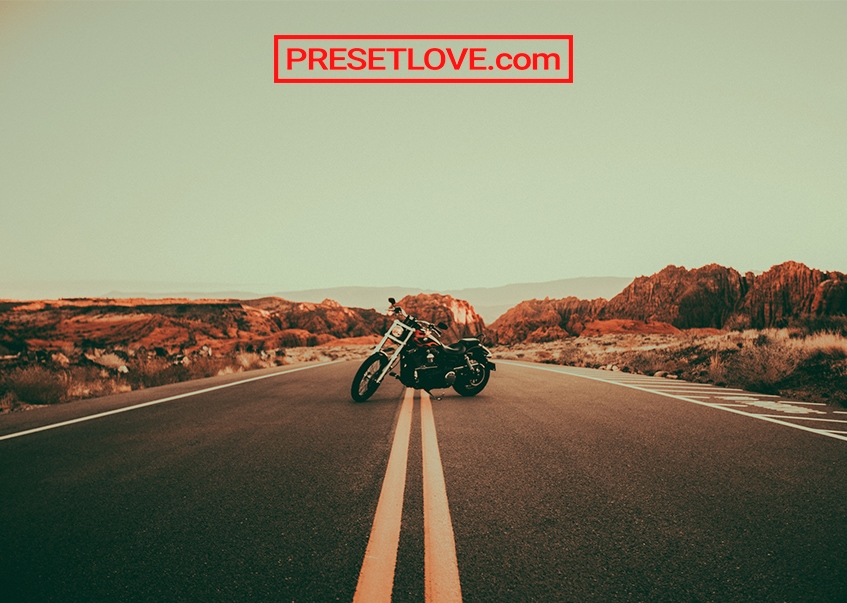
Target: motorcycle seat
{"x":461,"y":346}
{"x":456,"y":348}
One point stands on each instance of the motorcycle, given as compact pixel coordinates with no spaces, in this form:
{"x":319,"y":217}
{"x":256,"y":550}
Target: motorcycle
{"x":411,"y":351}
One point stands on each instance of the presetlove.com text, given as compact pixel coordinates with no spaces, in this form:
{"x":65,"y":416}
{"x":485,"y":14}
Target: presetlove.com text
{"x":423,"y":59}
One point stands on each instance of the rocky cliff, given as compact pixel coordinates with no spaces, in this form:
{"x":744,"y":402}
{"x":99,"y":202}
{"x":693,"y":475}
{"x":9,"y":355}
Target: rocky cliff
{"x":709,"y":297}
{"x":703,"y":297}
{"x":322,"y":322}
{"x":545,"y":320}
{"x":462,"y":319}
{"x":789,"y":291}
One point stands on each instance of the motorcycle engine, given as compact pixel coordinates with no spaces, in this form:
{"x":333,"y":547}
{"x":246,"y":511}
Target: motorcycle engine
{"x":420,"y":369}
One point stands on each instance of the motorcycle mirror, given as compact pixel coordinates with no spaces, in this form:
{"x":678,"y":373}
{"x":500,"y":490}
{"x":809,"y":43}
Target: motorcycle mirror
{"x":392,"y":301}
{"x":442,"y":325}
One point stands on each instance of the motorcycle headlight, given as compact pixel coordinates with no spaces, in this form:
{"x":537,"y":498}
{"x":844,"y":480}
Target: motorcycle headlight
{"x":397,"y":331}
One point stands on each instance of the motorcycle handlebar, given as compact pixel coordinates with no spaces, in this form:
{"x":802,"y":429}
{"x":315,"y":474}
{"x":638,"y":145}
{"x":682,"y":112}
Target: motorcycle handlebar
{"x":426,"y":324}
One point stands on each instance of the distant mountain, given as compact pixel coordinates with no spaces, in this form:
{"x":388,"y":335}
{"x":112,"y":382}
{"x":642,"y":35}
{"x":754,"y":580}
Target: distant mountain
{"x":67,"y":289}
{"x":177,"y":294}
{"x":353,"y":297}
{"x":674,"y":298}
{"x":489,"y":302}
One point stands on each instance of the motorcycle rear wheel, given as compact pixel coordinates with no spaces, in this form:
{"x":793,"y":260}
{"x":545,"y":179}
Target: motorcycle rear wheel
{"x":472,"y":385}
{"x":364,"y":383}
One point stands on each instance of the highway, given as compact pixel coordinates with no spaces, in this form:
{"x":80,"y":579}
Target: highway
{"x":554,"y":484}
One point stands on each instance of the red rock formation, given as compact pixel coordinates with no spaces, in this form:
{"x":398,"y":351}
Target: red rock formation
{"x":699,"y":298}
{"x":791,"y":291}
{"x":830,"y":297}
{"x":180,"y":325}
{"x":711,"y":297}
{"x":544,"y":320}
{"x":462,"y":319}
{"x":707,"y":297}
{"x":328,"y":317}
{"x":618,"y":326}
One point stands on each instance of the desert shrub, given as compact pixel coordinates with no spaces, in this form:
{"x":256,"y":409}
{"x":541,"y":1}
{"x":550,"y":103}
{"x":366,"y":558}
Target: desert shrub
{"x":761,"y":339}
{"x":650,"y":361}
{"x":36,"y":385}
{"x":8,"y":402}
{"x":207,"y":366}
{"x":89,"y":382}
{"x":571,"y":356}
{"x":823,"y":371}
{"x":152,"y":372}
{"x":717,"y":369}
{"x":249,"y":361}
{"x":544,"y":356}
{"x":761,"y":367}
{"x":818,"y":324}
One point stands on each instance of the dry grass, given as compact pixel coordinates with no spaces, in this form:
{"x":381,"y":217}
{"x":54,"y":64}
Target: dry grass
{"x":56,"y":382}
{"x":35,"y":385}
{"x":778,"y":361}
{"x":784,"y":361}
{"x":326,"y":353}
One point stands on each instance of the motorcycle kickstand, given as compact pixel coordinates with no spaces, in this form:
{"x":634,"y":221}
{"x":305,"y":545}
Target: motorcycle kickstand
{"x":433,"y":396}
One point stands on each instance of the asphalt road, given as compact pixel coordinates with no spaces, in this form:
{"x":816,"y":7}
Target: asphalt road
{"x":563,"y":485}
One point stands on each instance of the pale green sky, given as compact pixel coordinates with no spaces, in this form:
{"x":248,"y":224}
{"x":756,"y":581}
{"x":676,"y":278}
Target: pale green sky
{"x":148,"y":142}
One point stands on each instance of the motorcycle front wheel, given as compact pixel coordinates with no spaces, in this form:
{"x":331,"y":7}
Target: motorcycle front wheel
{"x":364,"y":383}
{"x":474,"y":383}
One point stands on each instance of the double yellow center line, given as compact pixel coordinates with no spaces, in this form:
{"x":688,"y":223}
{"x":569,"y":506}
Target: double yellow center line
{"x":441,"y":570}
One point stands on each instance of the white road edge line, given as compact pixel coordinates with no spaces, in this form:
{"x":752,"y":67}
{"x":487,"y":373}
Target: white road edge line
{"x":793,"y":417}
{"x":684,"y":399}
{"x":100,"y":415}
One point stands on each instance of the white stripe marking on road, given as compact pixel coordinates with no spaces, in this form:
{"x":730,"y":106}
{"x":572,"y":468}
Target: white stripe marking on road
{"x":684,"y":399}
{"x":808,"y":418}
{"x":740,"y":399}
{"x":154,"y":402}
